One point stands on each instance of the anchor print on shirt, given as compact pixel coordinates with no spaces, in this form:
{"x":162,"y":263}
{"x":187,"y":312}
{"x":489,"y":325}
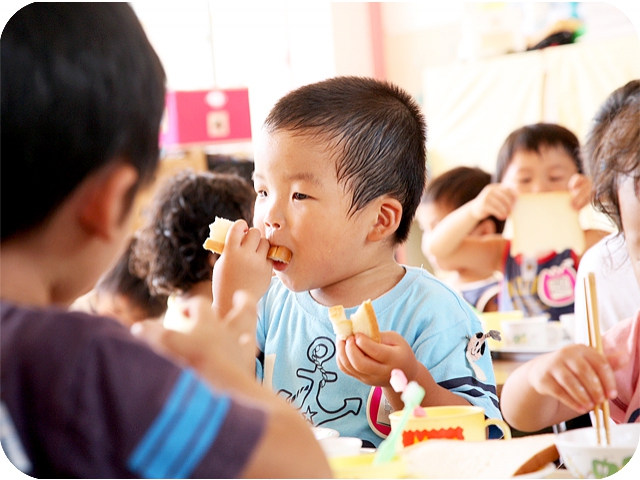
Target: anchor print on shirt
{"x":308,"y":398}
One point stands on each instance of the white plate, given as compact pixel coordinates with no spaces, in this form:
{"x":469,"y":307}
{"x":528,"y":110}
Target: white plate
{"x":322,"y":432}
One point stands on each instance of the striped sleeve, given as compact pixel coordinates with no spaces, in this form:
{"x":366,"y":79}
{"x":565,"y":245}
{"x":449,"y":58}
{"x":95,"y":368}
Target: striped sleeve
{"x":181,"y":442}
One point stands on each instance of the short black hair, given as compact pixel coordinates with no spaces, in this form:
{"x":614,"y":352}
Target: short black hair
{"x":376,"y":134}
{"x":612,"y":149}
{"x":458,"y":186}
{"x":121,"y":279}
{"x":169,"y":251}
{"x":81,"y":87}
{"x":533,"y":138}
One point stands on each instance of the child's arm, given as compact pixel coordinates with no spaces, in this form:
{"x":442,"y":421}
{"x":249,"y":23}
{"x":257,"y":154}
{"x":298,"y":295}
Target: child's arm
{"x":449,"y":241}
{"x":371,"y":363}
{"x":215,"y":348}
{"x":243,"y":265}
{"x":556,"y":387}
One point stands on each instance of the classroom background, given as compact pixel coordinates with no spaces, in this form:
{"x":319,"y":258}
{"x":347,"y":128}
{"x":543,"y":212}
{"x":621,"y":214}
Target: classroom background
{"x":478,"y":69}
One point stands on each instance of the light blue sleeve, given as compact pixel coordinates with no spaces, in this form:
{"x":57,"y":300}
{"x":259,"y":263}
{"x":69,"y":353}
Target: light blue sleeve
{"x":441,"y":347}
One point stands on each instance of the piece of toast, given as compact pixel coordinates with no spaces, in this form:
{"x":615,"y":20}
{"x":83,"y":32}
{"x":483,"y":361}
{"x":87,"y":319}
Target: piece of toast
{"x":279,"y":253}
{"x":217,"y":235}
{"x":341,"y":324}
{"x":363,"y":320}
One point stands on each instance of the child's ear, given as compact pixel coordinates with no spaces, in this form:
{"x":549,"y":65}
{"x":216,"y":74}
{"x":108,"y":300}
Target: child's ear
{"x":388,"y":216}
{"x":105,"y":201}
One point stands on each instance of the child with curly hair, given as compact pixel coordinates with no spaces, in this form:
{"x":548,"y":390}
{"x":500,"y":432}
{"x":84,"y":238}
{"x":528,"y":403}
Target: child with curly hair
{"x":168,"y":251}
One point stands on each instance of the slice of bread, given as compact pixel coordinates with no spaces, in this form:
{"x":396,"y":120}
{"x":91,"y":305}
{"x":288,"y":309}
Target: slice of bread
{"x":217,"y":235}
{"x":364,"y":321}
{"x":279,"y":253}
{"x":341,"y":325}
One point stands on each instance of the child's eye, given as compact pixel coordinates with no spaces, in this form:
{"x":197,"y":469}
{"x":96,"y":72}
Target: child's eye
{"x":556,"y":179}
{"x":524,"y":180}
{"x":261,"y":193}
{"x":300,"y":196}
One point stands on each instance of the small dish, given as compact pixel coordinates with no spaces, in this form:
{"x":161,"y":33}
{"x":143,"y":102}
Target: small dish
{"x":323,"y":432}
{"x":340,"y":446}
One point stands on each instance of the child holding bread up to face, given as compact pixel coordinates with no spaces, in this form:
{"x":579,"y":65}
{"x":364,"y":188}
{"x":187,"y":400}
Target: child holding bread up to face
{"x":340,"y":167}
{"x":537,"y":158}
{"x":561,"y":385}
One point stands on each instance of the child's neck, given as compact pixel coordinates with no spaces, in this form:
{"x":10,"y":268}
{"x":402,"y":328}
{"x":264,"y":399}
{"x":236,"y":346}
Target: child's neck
{"x":367,"y":284}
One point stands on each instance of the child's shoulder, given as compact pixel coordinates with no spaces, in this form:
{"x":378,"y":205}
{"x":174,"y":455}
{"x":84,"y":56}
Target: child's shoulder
{"x":51,"y":330}
{"x":424,"y":290}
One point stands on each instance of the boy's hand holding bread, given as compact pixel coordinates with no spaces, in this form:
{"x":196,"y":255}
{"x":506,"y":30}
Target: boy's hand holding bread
{"x":244,"y":265}
{"x":218,"y":234}
{"x":369,"y":359}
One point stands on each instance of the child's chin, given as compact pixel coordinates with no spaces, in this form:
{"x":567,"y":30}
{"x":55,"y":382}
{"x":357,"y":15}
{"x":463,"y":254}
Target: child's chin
{"x":290,"y":283}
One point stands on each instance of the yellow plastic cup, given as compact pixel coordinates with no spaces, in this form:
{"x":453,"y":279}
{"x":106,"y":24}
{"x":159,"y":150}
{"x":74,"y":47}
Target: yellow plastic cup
{"x":454,"y":422}
{"x":493,"y":321}
{"x":361,"y":466}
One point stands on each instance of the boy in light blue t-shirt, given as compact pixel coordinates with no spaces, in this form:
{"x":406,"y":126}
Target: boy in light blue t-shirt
{"x":339,"y":171}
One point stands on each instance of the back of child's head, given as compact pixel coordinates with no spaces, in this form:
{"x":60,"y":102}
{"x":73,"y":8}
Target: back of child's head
{"x":120,"y":280}
{"x":533,"y":138}
{"x":458,"y":186}
{"x":81,"y":87}
{"x":376,"y":135}
{"x":612,"y":149}
{"x":169,"y":250}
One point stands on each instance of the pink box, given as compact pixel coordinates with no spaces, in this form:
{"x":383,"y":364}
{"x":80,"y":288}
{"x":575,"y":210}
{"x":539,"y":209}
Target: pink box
{"x":206,"y":116}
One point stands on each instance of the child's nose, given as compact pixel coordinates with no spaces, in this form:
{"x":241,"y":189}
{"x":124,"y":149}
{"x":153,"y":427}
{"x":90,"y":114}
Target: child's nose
{"x":272,"y":217}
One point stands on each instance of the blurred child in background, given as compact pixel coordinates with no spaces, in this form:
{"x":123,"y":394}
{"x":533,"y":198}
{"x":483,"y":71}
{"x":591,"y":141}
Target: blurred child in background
{"x":443,"y":195}
{"x":535,"y":158}
{"x":169,"y":252}
{"x":123,"y":295}
{"x":568,"y":382}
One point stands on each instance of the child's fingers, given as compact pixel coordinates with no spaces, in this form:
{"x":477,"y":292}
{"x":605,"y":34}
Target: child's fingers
{"x":346,"y":357}
{"x":236,"y":232}
{"x":570,"y":389}
{"x":603,"y":375}
{"x":341,"y":358}
{"x":594,"y":375}
{"x":252,"y":238}
{"x":361,"y":362}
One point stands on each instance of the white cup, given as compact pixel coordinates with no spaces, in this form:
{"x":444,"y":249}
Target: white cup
{"x":530,"y":332}
{"x":340,"y":446}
